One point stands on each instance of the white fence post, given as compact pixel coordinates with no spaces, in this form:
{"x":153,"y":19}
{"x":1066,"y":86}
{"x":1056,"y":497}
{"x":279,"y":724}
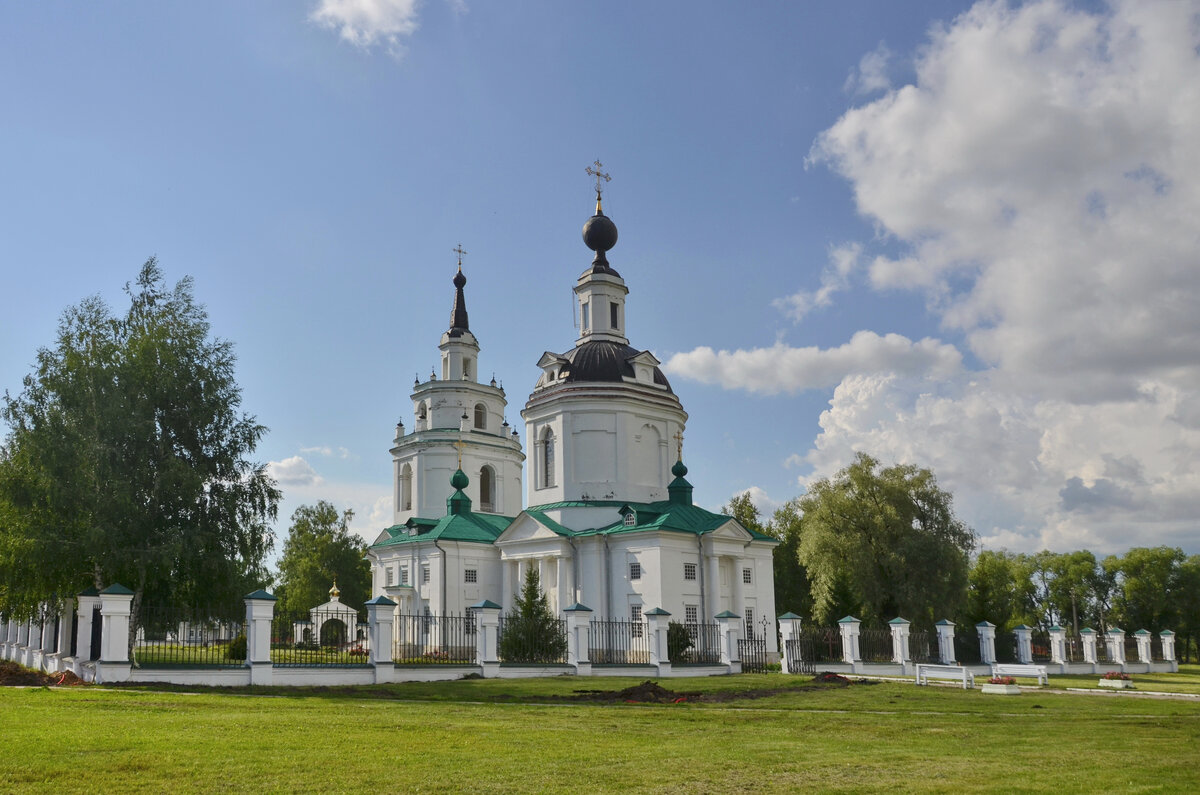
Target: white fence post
{"x":260,"y":612}
{"x":381,"y":614}
{"x":49,"y":639}
{"x":1168,"y":644}
{"x":727,"y":624}
{"x":87,"y":601}
{"x":789,"y":629}
{"x":33,"y":646}
{"x":850,"y":627}
{"x":1142,"y":636}
{"x":115,"y":603}
{"x":487,"y":637}
{"x":987,"y":642}
{"x":1088,"y":636}
{"x":1116,"y":646}
{"x":1058,"y":645}
{"x":945,"y":633}
{"x":23,"y":630}
{"x":901,"y":628}
{"x":657,"y":621}
{"x":579,"y":619}
{"x":62,"y":644}
{"x":1024,"y":644}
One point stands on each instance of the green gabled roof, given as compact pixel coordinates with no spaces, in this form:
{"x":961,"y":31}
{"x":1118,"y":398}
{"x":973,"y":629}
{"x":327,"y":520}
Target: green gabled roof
{"x":482,"y":528}
{"x":550,"y":523}
{"x":661,"y":515}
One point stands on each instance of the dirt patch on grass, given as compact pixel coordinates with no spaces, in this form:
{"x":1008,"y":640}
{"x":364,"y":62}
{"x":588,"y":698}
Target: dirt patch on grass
{"x":649,"y":692}
{"x":13,"y":675}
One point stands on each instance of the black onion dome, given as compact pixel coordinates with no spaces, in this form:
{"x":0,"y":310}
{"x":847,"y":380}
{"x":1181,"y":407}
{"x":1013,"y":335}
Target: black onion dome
{"x":458,"y":315}
{"x":600,"y":360}
{"x":600,"y":235}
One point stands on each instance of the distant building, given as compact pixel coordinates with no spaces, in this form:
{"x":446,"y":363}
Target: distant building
{"x":610,"y":522}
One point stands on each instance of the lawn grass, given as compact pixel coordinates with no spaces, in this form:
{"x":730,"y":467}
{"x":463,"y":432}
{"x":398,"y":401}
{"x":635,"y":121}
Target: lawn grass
{"x":511,"y":735}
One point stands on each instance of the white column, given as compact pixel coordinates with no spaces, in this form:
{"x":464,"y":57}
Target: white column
{"x":1058,"y":645}
{"x":33,"y":653}
{"x":487,"y":637}
{"x":727,"y":626}
{"x":945,"y":633}
{"x":1116,"y":646}
{"x":656,"y":624}
{"x":1142,"y":636}
{"x":543,"y":575}
{"x":900,"y":630}
{"x":987,"y":642}
{"x":712,"y":586}
{"x":1024,"y":644}
{"x":849,"y":628}
{"x":260,"y":611}
{"x":1168,"y":643}
{"x":65,"y":625}
{"x":87,"y":602}
{"x":566,"y":582}
{"x":506,"y":589}
{"x":380,"y":615}
{"x":579,"y":618}
{"x":115,"y":603}
{"x":789,"y":630}
{"x":1088,"y":636}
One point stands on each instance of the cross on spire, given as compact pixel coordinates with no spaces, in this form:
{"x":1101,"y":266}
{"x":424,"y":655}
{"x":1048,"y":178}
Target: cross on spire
{"x":678,"y":437}
{"x":599,"y":175}
{"x":459,"y":445}
{"x":459,"y":251}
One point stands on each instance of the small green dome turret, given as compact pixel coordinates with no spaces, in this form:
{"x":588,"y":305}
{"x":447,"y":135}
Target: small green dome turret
{"x":679,"y":470}
{"x":459,"y":479}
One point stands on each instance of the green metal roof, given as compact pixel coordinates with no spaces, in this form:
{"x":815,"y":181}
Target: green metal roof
{"x":482,"y":528}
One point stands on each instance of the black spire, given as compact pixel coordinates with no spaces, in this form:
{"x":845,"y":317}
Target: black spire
{"x":458,"y":315}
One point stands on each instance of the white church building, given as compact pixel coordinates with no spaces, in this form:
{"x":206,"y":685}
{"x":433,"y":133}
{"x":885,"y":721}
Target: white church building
{"x":608,"y":521}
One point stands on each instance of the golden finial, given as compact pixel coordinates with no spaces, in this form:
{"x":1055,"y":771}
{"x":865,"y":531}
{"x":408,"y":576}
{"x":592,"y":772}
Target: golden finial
{"x":599,"y":175}
{"x":679,"y":444}
{"x":459,"y":445}
{"x":334,"y":593}
{"x":459,"y":251}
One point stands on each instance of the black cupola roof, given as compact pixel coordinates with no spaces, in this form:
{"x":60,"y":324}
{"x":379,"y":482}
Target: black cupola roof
{"x":458,"y":315}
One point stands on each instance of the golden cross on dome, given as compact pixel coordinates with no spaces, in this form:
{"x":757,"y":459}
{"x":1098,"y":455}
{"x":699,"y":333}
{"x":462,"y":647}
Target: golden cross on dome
{"x":459,"y":251}
{"x":678,"y":437}
{"x":599,"y":175}
{"x":459,"y":445}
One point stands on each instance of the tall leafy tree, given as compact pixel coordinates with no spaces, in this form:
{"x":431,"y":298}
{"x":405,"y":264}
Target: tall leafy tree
{"x":993,"y":591}
{"x":127,"y":460}
{"x":887,"y":537}
{"x":319,"y":551}
{"x":793,"y":592}
{"x":1148,"y":577}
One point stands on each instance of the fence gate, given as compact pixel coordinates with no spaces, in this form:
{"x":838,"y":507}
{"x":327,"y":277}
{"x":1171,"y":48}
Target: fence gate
{"x":798,"y":662}
{"x":753,"y":648}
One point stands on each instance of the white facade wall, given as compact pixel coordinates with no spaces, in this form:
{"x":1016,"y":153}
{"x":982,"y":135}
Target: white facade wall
{"x":412,"y":598}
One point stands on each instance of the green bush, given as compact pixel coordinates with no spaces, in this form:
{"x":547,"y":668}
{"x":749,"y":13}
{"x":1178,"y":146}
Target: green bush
{"x":678,"y":641}
{"x":236,"y":650}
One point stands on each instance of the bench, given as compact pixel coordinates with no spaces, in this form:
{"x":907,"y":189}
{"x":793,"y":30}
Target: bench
{"x":926,"y":672}
{"x":1037,"y":672}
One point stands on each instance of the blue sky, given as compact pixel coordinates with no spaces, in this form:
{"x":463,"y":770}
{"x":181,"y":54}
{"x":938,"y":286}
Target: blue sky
{"x":951,"y":234}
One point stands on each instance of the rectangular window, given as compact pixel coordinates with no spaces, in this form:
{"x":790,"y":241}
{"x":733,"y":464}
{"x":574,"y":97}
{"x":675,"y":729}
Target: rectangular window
{"x":585,"y":316}
{"x":471,"y":575}
{"x":635,"y":617}
{"x":749,"y":623}
{"x":612,"y":314}
{"x":746,"y":576}
{"x":691,"y":614}
{"x":424,"y":574}
{"x":388,"y":575}
{"x":404,"y":575}
{"x":635,"y":571}
{"x":689,"y":571}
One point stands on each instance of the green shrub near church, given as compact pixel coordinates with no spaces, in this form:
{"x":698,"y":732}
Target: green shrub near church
{"x":530,"y":633}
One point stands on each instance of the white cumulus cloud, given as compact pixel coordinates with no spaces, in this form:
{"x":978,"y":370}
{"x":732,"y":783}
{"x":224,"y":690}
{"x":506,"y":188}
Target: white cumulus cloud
{"x":843,"y":260}
{"x":782,"y":368}
{"x":367,"y":23}
{"x":294,"y":471}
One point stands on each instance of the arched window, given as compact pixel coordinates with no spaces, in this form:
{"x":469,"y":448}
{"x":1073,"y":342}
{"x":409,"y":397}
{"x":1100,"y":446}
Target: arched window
{"x":406,"y":488}
{"x":481,"y":416}
{"x":487,"y":489}
{"x":547,"y":455}
{"x":420,"y":411}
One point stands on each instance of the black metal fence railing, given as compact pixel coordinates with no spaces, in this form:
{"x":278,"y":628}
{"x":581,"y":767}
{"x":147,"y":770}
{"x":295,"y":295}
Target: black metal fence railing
{"x":434,"y":640}
{"x":1156,"y":649}
{"x":922,"y":647}
{"x":167,"y":636}
{"x":97,"y":628}
{"x":875,"y":645}
{"x":1039,"y":647}
{"x":753,"y":654}
{"x":1102,"y":654}
{"x":820,"y":644}
{"x":619,"y":643}
{"x":72,"y":625}
{"x":703,"y":646}
{"x":1074,"y":648}
{"x":533,"y":640}
{"x":1006,"y":647}
{"x":1131,"y":649}
{"x":319,"y":638}
{"x":796,"y":662}
{"x":966,"y":648}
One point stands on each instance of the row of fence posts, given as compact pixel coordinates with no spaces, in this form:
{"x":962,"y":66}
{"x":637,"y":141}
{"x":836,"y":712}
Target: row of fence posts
{"x":98,"y":650}
{"x":850,"y":629}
